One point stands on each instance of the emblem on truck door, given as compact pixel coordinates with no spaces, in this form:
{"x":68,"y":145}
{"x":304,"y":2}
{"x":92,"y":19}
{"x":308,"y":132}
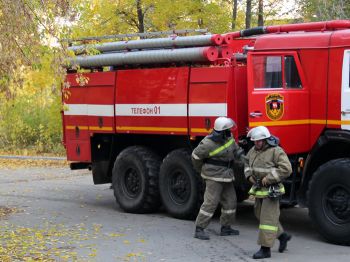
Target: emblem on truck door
{"x":274,"y":106}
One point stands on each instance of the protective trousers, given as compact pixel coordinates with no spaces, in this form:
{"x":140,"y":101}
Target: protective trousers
{"x":215,"y":193}
{"x":267,"y":211}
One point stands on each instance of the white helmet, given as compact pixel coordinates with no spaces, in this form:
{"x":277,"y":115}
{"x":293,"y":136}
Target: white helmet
{"x":223,"y":123}
{"x":258,"y":133}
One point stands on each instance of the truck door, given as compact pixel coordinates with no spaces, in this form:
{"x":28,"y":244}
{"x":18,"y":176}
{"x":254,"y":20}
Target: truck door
{"x":345,"y":94}
{"x":279,"y":98}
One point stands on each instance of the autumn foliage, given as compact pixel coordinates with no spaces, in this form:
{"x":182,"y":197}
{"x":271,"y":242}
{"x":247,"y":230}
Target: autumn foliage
{"x":34,"y":38}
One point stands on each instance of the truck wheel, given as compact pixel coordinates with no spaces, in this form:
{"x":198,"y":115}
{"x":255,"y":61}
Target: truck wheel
{"x":329,"y":200}
{"x":135,"y":180}
{"x":180,"y":186}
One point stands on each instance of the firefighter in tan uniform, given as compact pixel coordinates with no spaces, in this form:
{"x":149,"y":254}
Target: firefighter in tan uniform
{"x":266,"y":166}
{"x":214,"y":158}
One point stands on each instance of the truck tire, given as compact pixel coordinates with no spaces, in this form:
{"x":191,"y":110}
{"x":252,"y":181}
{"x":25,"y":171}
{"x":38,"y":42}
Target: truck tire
{"x":329,"y":200}
{"x":181,"y":187}
{"x":135,"y":180}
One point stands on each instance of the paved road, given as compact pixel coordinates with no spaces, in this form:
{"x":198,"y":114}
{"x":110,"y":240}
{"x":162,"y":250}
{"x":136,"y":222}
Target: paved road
{"x":60,"y":214}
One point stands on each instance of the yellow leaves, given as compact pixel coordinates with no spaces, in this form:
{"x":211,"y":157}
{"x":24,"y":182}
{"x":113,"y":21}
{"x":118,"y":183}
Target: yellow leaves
{"x":81,"y":79}
{"x":5,"y":211}
{"x":116,"y":235}
{"x":39,"y":236}
{"x":134,"y":255}
{"x":98,"y":197}
{"x":97,"y":228}
{"x":21,"y":119}
{"x":57,"y":242}
{"x":20,"y":163}
{"x":93,"y":253}
{"x":49,"y":243}
{"x":176,"y":14}
{"x":66,"y":94}
{"x":95,"y":18}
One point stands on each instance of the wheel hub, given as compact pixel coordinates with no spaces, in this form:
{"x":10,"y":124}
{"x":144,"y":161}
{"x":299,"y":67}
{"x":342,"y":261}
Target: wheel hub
{"x":132,"y":184}
{"x":179,"y":185}
{"x":338,"y":204}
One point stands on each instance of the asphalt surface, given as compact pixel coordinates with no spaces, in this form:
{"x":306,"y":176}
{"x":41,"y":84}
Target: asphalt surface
{"x":83,"y":223}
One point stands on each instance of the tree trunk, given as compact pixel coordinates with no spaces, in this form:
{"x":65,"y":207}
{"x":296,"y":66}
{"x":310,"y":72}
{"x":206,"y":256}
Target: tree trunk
{"x":234,"y":14}
{"x":248,"y":14}
{"x":261,"y":13}
{"x":140,"y":16}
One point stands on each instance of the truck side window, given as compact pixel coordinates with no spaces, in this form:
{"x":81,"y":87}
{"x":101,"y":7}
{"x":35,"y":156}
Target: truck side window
{"x":291,"y":74}
{"x":267,"y":71}
{"x":346,"y":70}
{"x":273,"y":76}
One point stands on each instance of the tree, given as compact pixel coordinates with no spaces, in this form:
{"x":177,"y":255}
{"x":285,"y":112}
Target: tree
{"x":108,"y":17}
{"x":260,"y":13}
{"x":169,"y":15}
{"x":134,"y":13}
{"x":30,"y":73}
{"x":234,"y":14}
{"x":248,"y":14}
{"x":25,"y":27}
{"x":317,"y":10}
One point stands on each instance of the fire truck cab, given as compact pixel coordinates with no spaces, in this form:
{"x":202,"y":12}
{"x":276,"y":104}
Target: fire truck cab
{"x":135,"y":124}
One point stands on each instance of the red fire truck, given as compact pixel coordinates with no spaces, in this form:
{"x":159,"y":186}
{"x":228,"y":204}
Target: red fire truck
{"x":141,"y":106}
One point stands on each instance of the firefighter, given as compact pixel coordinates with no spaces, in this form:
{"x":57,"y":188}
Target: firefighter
{"x":265,"y":167}
{"x":214,"y":158}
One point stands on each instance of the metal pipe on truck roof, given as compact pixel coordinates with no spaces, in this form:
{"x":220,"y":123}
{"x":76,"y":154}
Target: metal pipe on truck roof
{"x":192,"y":54}
{"x":312,"y":26}
{"x":178,"y":41}
{"x":225,"y":52}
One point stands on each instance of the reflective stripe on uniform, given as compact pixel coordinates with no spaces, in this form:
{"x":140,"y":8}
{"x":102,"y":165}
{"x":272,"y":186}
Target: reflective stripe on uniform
{"x":263,"y":170}
{"x":282,"y":190}
{"x":261,"y":193}
{"x":217,"y":179}
{"x":247,"y":169}
{"x":251,"y":191}
{"x":270,"y":170}
{"x":195,"y":156}
{"x":268,"y":227}
{"x":228,"y":211}
{"x":264,"y":191}
{"x":258,"y":192}
{"x":275,"y":174}
{"x":205,"y":213}
{"x":218,"y":150}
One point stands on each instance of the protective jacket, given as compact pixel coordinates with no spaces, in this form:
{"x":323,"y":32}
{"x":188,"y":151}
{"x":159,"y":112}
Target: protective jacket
{"x":214,"y":158}
{"x":270,"y":162}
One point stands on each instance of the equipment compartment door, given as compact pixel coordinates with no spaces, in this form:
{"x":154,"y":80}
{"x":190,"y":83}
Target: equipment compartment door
{"x":345,"y":94}
{"x":279,"y":98}
{"x":100,"y":102}
{"x":152,"y":101}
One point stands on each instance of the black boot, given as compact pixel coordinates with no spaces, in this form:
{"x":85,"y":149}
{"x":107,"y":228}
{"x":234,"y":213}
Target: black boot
{"x":228,"y":231}
{"x":200,"y":234}
{"x":264,"y":252}
{"x":283,"y":238}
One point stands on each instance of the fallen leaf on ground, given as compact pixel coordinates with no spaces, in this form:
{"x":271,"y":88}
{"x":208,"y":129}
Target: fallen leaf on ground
{"x":20,"y":163}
